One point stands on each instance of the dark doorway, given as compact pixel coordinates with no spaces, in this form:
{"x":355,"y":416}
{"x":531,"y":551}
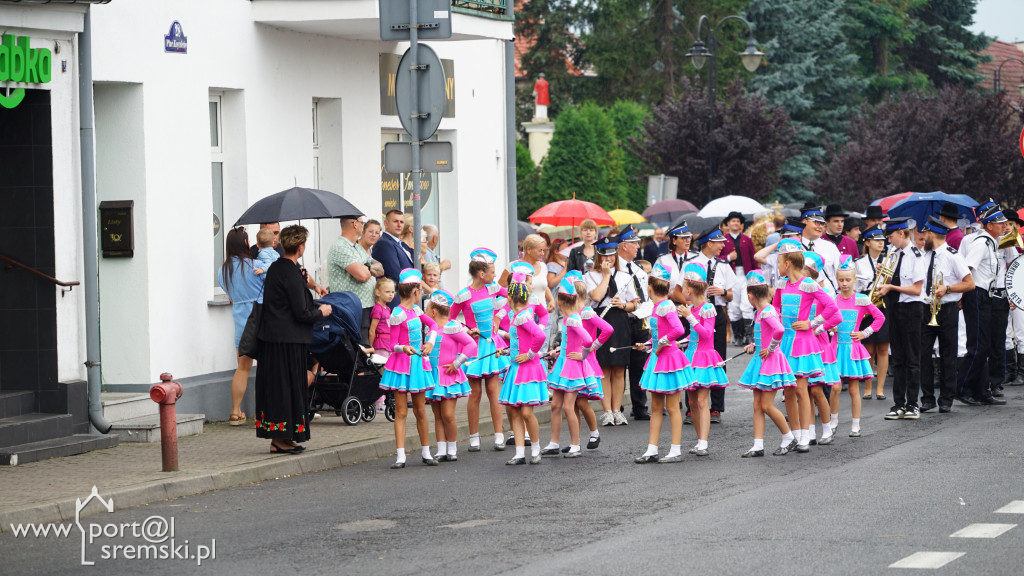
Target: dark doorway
{"x":28,"y":317}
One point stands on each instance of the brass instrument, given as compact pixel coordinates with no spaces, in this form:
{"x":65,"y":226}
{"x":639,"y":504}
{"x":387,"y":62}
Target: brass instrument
{"x":1012,"y":239}
{"x":936,"y":301}
{"x":884,"y":275}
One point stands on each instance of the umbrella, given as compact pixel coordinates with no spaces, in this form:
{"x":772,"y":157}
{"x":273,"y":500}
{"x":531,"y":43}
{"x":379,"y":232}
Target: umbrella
{"x":668,"y":210}
{"x":571,"y":213}
{"x":698,"y":225}
{"x":888,"y":201}
{"x":563,"y":232}
{"x":525,"y":229}
{"x":298,"y":204}
{"x":921,"y":205}
{"x":623,"y":217}
{"x":721,"y":207}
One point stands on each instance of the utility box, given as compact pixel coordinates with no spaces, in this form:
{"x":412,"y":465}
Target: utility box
{"x":117,"y":229}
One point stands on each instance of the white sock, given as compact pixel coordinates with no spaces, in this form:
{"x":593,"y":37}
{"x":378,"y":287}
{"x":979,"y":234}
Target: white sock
{"x":426,"y":452}
{"x":442,"y":448}
{"x":474,"y":440}
{"x":526,"y":436}
{"x":534,"y":450}
{"x":786,"y":439}
{"x":551,"y":446}
{"x":758,"y":444}
{"x":652,"y":450}
{"x":702,"y":444}
{"x":452,"y":449}
{"x":856,"y":425}
{"x":499,"y":438}
{"x":803,"y":438}
{"x":826,"y":430}
{"x":595,"y":434}
{"x":574,"y":448}
{"x":835,"y":422}
{"x":811,"y":434}
{"x":675,"y":450}
{"x":520,"y":451}
{"x":400,"y":456}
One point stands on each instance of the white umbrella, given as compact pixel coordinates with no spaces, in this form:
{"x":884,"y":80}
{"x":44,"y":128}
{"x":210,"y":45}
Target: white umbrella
{"x":721,"y":207}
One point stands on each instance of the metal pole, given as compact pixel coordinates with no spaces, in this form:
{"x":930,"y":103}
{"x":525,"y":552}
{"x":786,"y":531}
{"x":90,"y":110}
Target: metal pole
{"x":414,"y":134}
{"x":510,"y":151}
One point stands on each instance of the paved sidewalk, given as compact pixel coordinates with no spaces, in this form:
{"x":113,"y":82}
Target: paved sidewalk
{"x":222,"y":456}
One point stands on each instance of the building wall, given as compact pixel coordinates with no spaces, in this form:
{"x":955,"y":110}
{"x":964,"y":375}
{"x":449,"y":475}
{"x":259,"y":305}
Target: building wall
{"x":155,"y":309}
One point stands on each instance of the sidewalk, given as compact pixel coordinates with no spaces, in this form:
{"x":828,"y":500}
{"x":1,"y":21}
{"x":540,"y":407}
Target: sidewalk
{"x":223,"y":456}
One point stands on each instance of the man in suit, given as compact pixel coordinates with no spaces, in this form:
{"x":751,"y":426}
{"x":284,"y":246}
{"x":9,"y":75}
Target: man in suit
{"x":390,"y":251}
{"x":657,"y":247}
{"x":739,"y":253}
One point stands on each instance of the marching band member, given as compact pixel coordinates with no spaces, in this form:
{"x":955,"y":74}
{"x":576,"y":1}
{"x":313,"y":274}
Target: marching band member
{"x":853,"y":359}
{"x":680,"y":239}
{"x":705,"y":360}
{"x":721,"y":280}
{"x":451,"y":350}
{"x":575,"y":372}
{"x":830,"y":376}
{"x":877,"y":344}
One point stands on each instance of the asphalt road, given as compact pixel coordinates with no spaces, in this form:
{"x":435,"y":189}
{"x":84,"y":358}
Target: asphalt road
{"x":855,"y":507}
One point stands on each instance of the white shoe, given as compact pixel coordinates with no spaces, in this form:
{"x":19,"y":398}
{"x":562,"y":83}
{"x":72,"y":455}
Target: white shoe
{"x":620,"y":420}
{"x":607,"y":419}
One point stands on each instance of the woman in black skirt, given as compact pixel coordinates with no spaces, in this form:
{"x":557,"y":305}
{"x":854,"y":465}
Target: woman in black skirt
{"x":286,"y":328}
{"x":878,"y":343}
{"x":612,"y":293}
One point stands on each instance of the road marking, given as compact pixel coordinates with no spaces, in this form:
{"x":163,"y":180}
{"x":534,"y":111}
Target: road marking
{"x":982,"y":531}
{"x":470,"y":524}
{"x":927,"y":560}
{"x":1015,"y":507}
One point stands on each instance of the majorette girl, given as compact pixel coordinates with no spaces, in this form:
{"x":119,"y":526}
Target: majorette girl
{"x":452,"y":349}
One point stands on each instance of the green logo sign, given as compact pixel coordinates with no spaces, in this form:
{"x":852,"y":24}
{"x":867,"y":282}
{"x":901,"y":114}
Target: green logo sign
{"x":19,"y":63}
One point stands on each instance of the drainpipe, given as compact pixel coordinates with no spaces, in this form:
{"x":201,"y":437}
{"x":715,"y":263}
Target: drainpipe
{"x":89,"y":227}
{"x":510,"y":151}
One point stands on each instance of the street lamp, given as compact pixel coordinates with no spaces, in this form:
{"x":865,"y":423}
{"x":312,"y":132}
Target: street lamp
{"x":996,"y":81}
{"x":701,"y":53}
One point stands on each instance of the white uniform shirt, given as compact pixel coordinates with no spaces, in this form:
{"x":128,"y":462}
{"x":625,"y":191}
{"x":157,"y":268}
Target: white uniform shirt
{"x":724,"y":278}
{"x":912,"y":270}
{"x":829,"y":254}
{"x":675,"y":264}
{"x":980,"y":253}
{"x":950,"y":266}
{"x":865,"y":272}
{"x":624,"y":286}
{"x":645,"y":307}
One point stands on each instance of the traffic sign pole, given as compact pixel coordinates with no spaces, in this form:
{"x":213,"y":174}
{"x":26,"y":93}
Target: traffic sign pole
{"x":414,"y":133}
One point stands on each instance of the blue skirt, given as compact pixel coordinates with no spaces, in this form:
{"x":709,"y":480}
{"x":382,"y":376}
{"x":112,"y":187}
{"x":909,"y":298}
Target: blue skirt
{"x":457,"y":390}
{"x":667,"y":382}
{"x":853,"y":369}
{"x":523,"y":393}
{"x":768,"y":382}
{"x":417,"y":380}
{"x":829,"y":376}
{"x":489,"y":366}
{"x":809,"y":366}
{"x":749,"y":377}
{"x":566,"y":384}
{"x":594,"y":389}
{"x":710,"y":377}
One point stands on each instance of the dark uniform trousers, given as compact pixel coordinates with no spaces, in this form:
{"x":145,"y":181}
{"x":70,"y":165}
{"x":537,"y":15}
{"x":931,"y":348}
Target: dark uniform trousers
{"x":997,"y":348}
{"x":637,"y":360}
{"x":972,"y":378}
{"x":946,"y":333}
{"x":905,"y":342}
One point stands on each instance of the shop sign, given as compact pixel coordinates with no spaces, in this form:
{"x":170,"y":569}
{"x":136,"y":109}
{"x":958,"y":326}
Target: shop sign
{"x":175,"y":41}
{"x":19,"y":63}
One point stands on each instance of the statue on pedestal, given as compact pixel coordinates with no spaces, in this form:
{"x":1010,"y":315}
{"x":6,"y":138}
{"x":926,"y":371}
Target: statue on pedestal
{"x":540,"y":93}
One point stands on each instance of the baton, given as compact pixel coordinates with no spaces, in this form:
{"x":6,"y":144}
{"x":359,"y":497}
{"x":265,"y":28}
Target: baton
{"x":731,"y":358}
{"x":613,"y":349}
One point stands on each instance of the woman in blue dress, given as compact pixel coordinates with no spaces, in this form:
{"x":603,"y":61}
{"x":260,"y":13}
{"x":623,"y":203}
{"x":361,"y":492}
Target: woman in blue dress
{"x":244,"y":285}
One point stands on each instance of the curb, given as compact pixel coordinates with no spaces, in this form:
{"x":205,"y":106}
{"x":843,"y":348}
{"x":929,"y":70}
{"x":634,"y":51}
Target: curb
{"x":251,"y":473}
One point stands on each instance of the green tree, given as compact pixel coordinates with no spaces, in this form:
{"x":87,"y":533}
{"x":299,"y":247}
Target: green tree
{"x":944,"y":48}
{"x":546,"y":29}
{"x":627,"y":119}
{"x":810,"y":72}
{"x":527,"y":183}
{"x":575,"y":162}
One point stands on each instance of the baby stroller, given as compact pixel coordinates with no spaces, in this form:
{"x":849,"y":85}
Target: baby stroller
{"x":348,"y":379}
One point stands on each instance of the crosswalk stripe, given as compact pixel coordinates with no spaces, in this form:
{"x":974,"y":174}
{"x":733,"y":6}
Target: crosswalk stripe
{"x":982,"y":531}
{"x":1015,"y":507}
{"x":927,"y":560}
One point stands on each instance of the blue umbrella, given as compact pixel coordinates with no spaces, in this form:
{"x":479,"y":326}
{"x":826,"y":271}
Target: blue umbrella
{"x":921,"y":205}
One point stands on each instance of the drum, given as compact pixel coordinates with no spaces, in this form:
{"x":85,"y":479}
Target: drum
{"x":1015,"y":281}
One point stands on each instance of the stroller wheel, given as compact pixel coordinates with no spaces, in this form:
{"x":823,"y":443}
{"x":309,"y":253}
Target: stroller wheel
{"x":389,"y":411}
{"x":351,"y":410}
{"x":369,"y":413}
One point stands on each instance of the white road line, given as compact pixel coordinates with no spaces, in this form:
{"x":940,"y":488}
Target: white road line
{"x":927,"y":560}
{"x":982,"y":531}
{"x":1015,"y":507}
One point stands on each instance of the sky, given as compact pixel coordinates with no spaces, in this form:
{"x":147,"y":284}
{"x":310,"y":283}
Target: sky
{"x":1003,"y":19}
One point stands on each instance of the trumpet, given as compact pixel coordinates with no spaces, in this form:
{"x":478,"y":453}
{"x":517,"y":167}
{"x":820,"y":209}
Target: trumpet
{"x":885,"y":272}
{"x":936,"y":303}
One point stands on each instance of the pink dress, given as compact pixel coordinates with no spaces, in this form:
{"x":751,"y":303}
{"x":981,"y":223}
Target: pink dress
{"x":853,"y":359}
{"x":667,"y":371}
{"x":453,"y":341}
{"x":599,"y":330}
{"x":704,"y":359}
{"x":382,"y":340}
{"x":525,"y":384}
{"x":403,"y":373}
{"x":793,"y":302}
{"x":773,"y":372}
{"x":478,"y":310}
{"x":574,"y":373}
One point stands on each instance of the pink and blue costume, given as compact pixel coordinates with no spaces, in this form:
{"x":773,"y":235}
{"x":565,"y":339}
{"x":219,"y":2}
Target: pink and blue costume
{"x":667,"y":370}
{"x":403,"y":373}
{"x":830,"y":374}
{"x":477,"y":307}
{"x":525,"y":384}
{"x":854,"y":360}
{"x":600,"y":330}
{"x":704,"y":359}
{"x":773,"y":372}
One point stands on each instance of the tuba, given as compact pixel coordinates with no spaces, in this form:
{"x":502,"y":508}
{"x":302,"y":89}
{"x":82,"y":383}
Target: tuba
{"x":936,"y":302}
{"x":888,"y":268}
{"x":1012,"y":239}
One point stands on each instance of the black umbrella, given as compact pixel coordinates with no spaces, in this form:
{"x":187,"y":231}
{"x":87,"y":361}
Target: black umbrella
{"x":298,"y":204}
{"x":525,"y":229}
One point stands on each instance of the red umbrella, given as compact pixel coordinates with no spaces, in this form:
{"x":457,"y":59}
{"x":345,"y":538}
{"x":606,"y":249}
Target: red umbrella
{"x":571,"y":213}
{"x":888,"y":201}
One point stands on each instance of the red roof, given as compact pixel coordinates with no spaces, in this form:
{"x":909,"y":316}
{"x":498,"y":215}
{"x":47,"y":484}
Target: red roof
{"x":523,"y":44}
{"x":1012,"y":73}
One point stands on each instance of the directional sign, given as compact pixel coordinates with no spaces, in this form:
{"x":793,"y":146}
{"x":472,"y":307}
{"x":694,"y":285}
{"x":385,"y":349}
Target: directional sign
{"x":434,"y":18}
{"x":434,"y":157}
{"x":431,"y":92}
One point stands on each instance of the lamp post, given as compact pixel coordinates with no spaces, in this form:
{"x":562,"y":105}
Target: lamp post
{"x":701,"y":53}
{"x":996,"y":78}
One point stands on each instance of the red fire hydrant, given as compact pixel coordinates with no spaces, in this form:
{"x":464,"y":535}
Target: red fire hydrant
{"x":166,"y":394}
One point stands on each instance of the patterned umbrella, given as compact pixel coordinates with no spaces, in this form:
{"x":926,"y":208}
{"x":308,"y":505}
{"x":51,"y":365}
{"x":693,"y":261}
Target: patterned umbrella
{"x":888,"y":201}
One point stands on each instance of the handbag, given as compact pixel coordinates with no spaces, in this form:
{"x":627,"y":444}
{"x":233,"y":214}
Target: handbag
{"x":249,"y":343}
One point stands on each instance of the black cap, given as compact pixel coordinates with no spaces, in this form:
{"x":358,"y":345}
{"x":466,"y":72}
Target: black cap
{"x":606,"y":246}
{"x":852,"y":223}
{"x":873,"y":232}
{"x":874,"y":213}
{"x":950,"y":211}
{"x":735,"y":214}
{"x":894,"y":224}
{"x":935,"y":225}
{"x":834,"y":210}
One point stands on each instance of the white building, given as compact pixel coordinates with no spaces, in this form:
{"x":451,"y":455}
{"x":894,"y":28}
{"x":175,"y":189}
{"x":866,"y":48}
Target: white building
{"x":202,"y":108}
